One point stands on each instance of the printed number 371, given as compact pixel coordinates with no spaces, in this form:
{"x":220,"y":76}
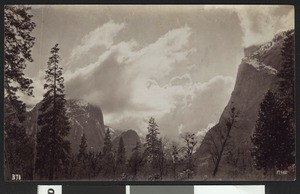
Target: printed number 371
{"x":15,"y":177}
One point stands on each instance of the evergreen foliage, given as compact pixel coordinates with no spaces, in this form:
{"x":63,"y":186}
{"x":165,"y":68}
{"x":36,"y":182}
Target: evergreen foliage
{"x":286,"y":73}
{"x":18,"y":42}
{"x":287,"y":80}
{"x":109,"y":157}
{"x":152,"y":144}
{"x":136,"y":160}
{"x":162,"y":161}
{"x":107,"y":148}
{"x":218,"y":141}
{"x":190,"y":143}
{"x":174,"y":160}
{"x":121,"y":156}
{"x":273,"y":141}
{"x":82,"y":148}
{"x":53,"y":149}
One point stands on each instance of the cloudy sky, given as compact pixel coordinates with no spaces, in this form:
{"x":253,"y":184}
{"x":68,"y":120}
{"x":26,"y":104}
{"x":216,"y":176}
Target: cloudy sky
{"x":175,"y":63}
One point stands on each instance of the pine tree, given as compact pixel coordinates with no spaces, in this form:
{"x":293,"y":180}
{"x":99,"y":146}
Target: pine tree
{"x":152,"y":144}
{"x":109,"y":156}
{"x":93,"y":163}
{"x":161,"y":158}
{"x":121,"y":156}
{"x":190,"y":143}
{"x":82,"y":158}
{"x":107,"y":148}
{"x":136,"y":160}
{"x":82,"y":148}
{"x":53,"y":150}
{"x":272,"y":140}
{"x":17,"y":45}
{"x":17,"y":52}
{"x":286,"y":77}
{"x":286,"y":74}
{"x":218,"y":140}
{"x":175,"y":159}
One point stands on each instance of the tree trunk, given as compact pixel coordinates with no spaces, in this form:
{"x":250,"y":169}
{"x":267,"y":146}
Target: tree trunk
{"x":216,"y":166}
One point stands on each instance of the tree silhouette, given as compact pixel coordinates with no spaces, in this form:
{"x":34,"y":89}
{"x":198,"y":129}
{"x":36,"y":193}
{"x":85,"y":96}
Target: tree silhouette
{"x":136,"y":160}
{"x":82,"y":148}
{"x":109,"y":156}
{"x":107,"y":143}
{"x":82,"y":158}
{"x":218,"y":140}
{"x":175,"y":159}
{"x":286,"y":73}
{"x":152,"y":144}
{"x":18,"y":149}
{"x":273,"y":140}
{"x":161,"y":158}
{"x":190,"y":143}
{"x":53,"y":149}
{"x":121,"y":156}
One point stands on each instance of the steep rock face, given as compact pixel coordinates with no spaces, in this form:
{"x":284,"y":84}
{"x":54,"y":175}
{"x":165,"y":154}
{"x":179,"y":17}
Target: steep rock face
{"x":88,"y":119}
{"x":256,"y":75}
{"x":84,"y":118}
{"x":130,"y":139}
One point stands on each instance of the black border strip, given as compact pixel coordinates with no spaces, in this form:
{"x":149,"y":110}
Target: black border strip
{"x":272,"y":187}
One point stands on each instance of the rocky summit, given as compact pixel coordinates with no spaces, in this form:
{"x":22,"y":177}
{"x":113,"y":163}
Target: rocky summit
{"x":84,"y":118}
{"x":130,"y":139}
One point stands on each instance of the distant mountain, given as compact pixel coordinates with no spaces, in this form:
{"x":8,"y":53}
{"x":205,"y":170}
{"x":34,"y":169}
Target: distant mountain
{"x":84,"y":118}
{"x":130,"y":139}
{"x":113,"y":132}
{"x":256,"y":75}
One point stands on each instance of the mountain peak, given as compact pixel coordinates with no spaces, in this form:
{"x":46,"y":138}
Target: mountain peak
{"x":259,"y":66}
{"x":283,"y":34}
{"x":82,"y":103}
{"x":259,"y":50}
{"x":130,"y":138}
{"x":84,"y":118}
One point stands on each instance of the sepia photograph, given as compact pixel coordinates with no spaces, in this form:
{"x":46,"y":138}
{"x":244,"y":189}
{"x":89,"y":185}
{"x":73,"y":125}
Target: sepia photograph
{"x":149,"y":93}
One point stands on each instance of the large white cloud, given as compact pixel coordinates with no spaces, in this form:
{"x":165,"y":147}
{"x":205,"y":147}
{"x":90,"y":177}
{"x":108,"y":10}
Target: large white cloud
{"x":101,"y":36}
{"x":120,"y":77}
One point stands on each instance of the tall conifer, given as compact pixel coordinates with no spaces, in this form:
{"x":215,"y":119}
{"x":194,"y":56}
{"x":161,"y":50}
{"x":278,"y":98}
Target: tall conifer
{"x":272,"y":140}
{"x":53,"y":149}
{"x":152,"y":144}
{"x":121,"y":156}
